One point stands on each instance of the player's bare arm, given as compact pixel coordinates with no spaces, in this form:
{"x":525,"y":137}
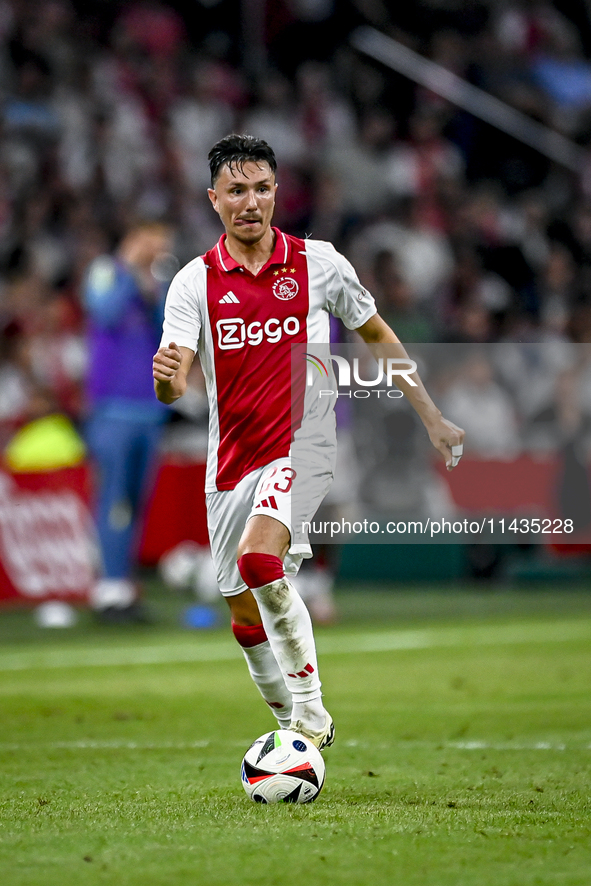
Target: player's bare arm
{"x":170,"y":369}
{"x":445,"y":436}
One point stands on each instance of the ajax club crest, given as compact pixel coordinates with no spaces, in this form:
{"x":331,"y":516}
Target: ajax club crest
{"x":285,"y":288}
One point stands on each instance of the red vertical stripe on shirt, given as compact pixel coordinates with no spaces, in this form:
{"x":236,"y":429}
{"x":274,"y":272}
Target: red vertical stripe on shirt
{"x":252,"y":352}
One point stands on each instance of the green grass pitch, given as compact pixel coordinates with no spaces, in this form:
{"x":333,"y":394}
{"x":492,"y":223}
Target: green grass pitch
{"x":463,"y":752}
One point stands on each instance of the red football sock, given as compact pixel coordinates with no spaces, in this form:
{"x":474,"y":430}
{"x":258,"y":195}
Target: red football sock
{"x":249,"y":635}
{"x":258,"y":570}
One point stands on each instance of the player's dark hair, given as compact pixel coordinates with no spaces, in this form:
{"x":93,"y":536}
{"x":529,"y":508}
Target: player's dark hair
{"x":236,"y":150}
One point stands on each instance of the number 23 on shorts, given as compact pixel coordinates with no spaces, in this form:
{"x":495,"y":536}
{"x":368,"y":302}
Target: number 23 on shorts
{"x":280,"y":480}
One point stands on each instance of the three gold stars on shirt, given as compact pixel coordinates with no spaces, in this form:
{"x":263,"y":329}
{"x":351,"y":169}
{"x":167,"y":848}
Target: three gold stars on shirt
{"x":284,"y":271}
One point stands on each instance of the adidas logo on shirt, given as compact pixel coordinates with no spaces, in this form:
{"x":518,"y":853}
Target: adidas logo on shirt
{"x":229,"y":299}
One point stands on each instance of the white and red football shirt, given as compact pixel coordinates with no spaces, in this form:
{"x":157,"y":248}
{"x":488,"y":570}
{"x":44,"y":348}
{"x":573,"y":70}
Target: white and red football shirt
{"x":242,"y":325}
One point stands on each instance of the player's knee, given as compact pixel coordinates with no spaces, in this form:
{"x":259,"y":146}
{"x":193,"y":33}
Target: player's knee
{"x":258,"y":570}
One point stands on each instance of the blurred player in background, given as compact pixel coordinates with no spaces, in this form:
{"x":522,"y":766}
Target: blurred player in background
{"x":240,"y":307}
{"x":124,"y":301}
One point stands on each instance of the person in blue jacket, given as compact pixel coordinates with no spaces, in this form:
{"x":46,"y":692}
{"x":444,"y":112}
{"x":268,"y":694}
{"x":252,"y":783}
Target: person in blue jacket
{"x":124,"y":300}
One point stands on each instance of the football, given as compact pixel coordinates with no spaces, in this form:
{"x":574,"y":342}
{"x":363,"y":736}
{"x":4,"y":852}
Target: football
{"x":282,"y":767}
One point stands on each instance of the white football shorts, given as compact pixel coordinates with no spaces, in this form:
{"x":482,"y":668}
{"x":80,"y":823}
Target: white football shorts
{"x":277,"y":490}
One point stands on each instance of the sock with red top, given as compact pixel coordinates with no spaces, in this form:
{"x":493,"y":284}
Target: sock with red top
{"x":264,"y":670}
{"x":258,"y":570}
{"x":287,"y":624}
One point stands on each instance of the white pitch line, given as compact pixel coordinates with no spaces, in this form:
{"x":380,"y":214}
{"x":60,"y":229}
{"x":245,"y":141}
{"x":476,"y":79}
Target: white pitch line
{"x":92,"y":745}
{"x":465,"y":635}
{"x":337,"y":644}
{"x":118,"y":656}
{"x":116,"y":744}
{"x":476,"y":745}
{"x":507,"y":746}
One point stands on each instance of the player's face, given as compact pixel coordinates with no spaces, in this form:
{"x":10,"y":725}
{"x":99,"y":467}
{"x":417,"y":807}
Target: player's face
{"x":245,"y":200}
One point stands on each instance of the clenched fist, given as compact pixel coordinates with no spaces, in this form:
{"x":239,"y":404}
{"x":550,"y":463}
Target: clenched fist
{"x":167,"y":362}
{"x":170,"y":368}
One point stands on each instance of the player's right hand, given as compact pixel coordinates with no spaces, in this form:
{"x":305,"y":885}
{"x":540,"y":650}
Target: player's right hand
{"x":167,"y":362}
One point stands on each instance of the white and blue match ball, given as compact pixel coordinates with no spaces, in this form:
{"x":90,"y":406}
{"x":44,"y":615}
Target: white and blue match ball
{"x":282,"y":767}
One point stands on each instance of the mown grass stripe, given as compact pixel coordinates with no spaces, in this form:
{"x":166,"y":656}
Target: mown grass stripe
{"x":336,"y":644}
{"x":117,"y":656}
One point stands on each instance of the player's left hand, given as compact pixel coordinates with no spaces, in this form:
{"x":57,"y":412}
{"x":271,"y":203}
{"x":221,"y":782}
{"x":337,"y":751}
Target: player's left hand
{"x":448,"y":439}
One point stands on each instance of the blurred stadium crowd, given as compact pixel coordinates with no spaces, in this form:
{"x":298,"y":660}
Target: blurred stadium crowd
{"x":462,"y":233}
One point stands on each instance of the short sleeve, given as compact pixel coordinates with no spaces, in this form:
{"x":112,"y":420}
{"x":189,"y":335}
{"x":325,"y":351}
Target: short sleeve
{"x":182,"y":312}
{"x":350,"y":301}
